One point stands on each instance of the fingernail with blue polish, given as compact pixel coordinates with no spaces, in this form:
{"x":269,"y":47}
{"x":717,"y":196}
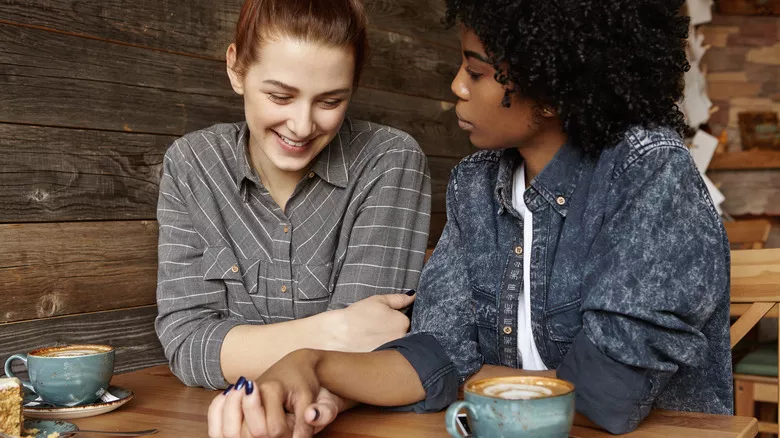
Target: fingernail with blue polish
{"x":240,"y":383}
{"x":227,"y":390}
{"x":411,"y":292}
{"x":250,"y":387}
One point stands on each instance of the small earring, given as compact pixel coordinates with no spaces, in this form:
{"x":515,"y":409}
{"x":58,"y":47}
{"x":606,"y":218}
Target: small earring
{"x":547,"y":112}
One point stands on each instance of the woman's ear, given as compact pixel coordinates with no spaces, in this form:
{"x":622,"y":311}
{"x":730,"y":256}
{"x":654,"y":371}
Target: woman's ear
{"x":236,"y":80}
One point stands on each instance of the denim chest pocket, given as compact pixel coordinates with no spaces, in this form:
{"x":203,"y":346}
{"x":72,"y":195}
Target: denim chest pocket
{"x":486,"y":319}
{"x":312,"y":288}
{"x":563,"y":325}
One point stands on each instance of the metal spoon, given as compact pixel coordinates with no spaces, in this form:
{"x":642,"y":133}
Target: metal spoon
{"x":110,"y":432}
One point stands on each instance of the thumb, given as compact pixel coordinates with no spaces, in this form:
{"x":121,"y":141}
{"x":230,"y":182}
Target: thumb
{"x":398,"y":301}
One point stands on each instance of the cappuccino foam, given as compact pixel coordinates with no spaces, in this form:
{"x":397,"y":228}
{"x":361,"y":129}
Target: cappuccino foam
{"x":517,"y":391}
{"x":66,"y":351}
{"x":70,"y":353}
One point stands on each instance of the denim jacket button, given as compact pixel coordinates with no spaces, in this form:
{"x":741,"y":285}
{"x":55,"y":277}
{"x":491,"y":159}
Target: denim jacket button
{"x":507,"y":330}
{"x":561,"y":200}
{"x":519,"y":250}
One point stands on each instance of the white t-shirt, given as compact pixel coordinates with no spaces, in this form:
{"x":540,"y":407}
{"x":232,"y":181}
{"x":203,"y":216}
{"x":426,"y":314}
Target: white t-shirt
{"x":527,"y":353}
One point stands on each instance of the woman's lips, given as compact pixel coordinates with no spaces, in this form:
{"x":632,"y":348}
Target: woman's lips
{"x":467,"y":126}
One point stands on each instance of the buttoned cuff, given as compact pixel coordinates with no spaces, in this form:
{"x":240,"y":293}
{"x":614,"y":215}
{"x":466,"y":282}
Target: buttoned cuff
{"x":611,"y":394}
{"x":434,"y":368}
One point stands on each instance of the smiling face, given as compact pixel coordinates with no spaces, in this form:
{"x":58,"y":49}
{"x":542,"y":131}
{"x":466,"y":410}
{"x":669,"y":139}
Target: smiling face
{"x":295,"y":100}
{"x":489,"y":124}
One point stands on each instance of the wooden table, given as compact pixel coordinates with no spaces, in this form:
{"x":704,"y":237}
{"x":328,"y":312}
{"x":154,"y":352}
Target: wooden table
{"x":162,"y":402}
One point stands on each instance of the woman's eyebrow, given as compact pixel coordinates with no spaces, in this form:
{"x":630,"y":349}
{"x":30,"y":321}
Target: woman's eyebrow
{"x":475,"y":55}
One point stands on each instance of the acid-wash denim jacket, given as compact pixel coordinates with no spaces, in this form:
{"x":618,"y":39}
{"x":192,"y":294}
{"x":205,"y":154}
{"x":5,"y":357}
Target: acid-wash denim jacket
{"x":629,"y":281}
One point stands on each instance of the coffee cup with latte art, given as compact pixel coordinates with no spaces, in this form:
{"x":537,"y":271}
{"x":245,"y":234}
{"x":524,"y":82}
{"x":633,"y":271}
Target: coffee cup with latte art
{"x":518,"y":407}
{"x":67,"y":375}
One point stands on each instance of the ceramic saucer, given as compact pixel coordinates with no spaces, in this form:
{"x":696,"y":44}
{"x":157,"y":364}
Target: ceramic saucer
{"x":44,"y":428}
{"x":114,"y":398}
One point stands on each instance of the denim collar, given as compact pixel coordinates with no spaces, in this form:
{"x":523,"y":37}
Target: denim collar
{"x":330,"y":165}
{"x":555,"y":184}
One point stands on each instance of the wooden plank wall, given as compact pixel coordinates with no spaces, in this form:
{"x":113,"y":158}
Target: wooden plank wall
{"x":91,"y":96}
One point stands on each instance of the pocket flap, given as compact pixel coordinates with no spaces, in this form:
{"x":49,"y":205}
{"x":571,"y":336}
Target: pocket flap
{"x":313,"y":282}
{"x":221,"y":264}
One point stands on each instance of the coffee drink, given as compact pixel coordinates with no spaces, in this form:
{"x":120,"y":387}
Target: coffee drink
{"x":71,"y":351}
{"x":523,"y":389}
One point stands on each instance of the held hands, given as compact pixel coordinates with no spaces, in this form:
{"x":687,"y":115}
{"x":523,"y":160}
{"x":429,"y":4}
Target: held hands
{"x":287,"y":401}
{"x":371,"y":322}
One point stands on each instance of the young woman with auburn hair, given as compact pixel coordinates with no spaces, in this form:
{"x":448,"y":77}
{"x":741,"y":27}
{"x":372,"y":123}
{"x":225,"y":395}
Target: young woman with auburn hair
{"x":299,"y":228}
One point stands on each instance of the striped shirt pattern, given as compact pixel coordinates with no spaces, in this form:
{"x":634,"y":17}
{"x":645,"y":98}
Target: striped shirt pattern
{"x":355,"y":226}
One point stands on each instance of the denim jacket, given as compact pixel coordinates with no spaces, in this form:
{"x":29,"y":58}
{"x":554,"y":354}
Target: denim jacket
{"x":629,"y":281}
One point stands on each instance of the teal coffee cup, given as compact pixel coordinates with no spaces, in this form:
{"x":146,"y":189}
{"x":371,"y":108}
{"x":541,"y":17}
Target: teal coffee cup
{"x":67,"y":375}
{"x":516,"y":407}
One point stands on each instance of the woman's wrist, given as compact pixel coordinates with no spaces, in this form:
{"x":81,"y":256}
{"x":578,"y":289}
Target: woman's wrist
{"x":334,"y":325}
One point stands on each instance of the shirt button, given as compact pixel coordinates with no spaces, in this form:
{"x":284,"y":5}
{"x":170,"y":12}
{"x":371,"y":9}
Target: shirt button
{"x":311,"y":175}
{"x":234,"y":268}
{"x":519,"y":250}
{"x":286,"y":229}
{"x":561,"y":200}
{"x":284,"y":289}
{"x":507,"y":330}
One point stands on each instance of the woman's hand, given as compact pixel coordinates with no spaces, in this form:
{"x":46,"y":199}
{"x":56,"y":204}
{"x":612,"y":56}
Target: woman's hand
{"x":371,"y":323}
{"x":286,"y":401}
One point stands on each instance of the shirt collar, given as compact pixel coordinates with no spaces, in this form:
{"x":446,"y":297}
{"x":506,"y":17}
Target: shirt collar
{"x":330,"y":165}
{"x":555,"y":184}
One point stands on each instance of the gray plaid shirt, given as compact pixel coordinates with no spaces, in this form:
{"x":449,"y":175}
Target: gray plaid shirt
{"x":355,"y":226}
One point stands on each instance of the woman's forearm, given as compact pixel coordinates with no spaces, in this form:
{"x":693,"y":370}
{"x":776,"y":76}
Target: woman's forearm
{"x":249,"y":350}
{"x":381,"y":378}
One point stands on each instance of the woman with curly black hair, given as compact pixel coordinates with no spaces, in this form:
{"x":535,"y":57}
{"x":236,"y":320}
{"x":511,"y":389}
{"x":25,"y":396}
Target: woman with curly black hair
{"x":581,"y":239}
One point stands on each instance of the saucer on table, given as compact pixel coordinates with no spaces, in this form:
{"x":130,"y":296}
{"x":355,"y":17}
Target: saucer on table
{"x":114,"y":398}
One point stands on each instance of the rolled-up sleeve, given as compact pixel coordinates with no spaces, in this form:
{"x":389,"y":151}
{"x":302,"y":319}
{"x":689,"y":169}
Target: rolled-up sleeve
{"x":192,"y":316}
{"x":442,"y":345}
{"x":654,"y":277}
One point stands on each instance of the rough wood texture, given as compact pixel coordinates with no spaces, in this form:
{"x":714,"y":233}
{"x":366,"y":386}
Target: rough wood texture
{"x":201,"y":27}
{"x":206,"y":29}
{"x":130,"y":331}
{"x":756,"y":192}
{"x":52,"y":174}
{"x":66,"y":268}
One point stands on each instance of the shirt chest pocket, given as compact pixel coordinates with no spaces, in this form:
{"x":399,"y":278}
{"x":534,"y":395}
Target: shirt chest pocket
{"x":238,"y":274}
{"x":311,"y":288}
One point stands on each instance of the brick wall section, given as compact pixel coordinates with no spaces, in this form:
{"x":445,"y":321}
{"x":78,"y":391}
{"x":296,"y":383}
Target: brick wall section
{"x":743,"y":68}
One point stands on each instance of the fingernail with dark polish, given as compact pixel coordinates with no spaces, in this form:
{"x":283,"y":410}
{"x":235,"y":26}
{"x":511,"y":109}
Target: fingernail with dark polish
{"x":250,"y":387}
{"x":411,"y":292}
{"x":240,"y":383}
{"x":316,"y":414}
{"x":227,"y":390}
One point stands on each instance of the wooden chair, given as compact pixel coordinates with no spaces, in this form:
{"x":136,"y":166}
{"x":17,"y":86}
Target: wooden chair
{"x":748,"y":234}
{"x":755,"y":294}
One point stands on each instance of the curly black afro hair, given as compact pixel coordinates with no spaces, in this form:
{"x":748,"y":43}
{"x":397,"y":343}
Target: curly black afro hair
{"x":604,"y":65}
